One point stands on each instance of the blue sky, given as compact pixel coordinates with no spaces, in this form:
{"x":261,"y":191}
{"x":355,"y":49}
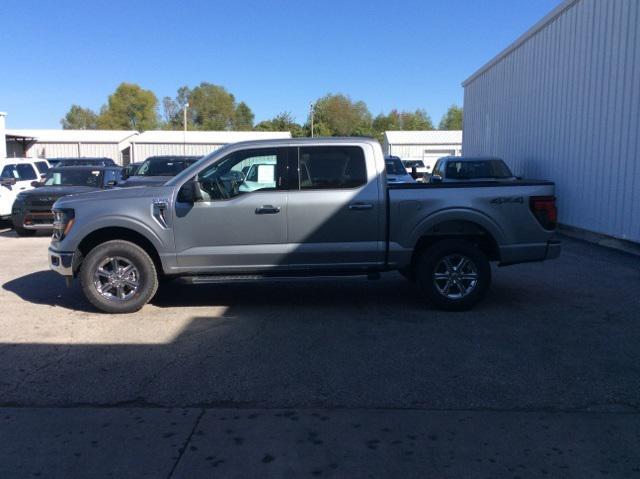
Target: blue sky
{"x":275,"y":55}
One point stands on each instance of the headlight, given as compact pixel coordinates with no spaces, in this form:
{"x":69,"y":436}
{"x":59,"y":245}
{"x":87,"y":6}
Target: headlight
{"x":62,"y":222}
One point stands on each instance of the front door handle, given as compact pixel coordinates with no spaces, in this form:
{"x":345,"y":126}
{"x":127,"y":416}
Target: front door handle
{"x":360,"y":206}
{"x":267,"y":210}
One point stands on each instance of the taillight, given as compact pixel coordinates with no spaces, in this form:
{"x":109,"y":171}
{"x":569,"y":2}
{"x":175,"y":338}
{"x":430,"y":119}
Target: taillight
{"x":545,"y":211}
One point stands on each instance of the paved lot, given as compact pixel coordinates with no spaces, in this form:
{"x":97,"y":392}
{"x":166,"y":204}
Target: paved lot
{"x":324,"y":378}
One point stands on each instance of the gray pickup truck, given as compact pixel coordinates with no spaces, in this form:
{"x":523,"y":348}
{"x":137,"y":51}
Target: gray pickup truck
{"x":314,"y":207}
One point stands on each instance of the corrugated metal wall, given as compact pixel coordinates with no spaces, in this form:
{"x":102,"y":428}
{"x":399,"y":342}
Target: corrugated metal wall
{"x":565,"y":105}
{"x":141,"y":151}
{"x":60,"y":150}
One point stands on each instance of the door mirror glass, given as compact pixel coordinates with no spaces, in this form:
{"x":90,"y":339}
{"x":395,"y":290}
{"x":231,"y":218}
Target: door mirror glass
{"x":36,"y":184}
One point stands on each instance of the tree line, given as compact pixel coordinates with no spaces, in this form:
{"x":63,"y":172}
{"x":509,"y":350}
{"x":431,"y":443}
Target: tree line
{"x":212,"y":107}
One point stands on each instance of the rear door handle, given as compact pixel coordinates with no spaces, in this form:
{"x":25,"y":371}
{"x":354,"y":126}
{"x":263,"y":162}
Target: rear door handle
{"x":360,"y":206}
{"x":267,"y":210}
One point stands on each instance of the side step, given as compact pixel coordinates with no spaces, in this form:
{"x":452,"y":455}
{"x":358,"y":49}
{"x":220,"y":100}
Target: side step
{"x":251,"y":278}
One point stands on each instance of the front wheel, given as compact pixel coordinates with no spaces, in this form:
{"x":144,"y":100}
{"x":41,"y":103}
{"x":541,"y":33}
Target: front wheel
{"x":118,"y":277}
{"x":453,"y":274}
{"x":23,"y":232}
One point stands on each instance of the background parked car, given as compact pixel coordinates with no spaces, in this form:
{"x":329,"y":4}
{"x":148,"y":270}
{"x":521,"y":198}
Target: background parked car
{"x":31,"y":210}
{"x":416,"y":168}
{"x":16,"y":175}
{"x":159,"y":169}
{"x":461,"y":168}
{"x":396,"y":172}
{"x":82,"y":161}
{"x":132,"y":169}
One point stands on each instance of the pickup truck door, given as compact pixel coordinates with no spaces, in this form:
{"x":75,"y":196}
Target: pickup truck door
{"x":335,"y":209}
{"x":240,"y":226}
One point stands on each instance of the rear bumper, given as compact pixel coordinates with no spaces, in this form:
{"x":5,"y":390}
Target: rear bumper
{"x":526,"y":253}
{"x":61,"y":262}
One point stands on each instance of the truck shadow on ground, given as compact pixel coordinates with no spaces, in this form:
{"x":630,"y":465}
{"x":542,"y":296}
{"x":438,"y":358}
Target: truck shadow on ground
{"x":392,"y":295}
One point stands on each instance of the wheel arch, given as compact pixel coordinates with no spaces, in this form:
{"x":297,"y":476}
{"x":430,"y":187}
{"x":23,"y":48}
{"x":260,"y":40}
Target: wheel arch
{"x":102,"y":235}
{"x":464,"y":229}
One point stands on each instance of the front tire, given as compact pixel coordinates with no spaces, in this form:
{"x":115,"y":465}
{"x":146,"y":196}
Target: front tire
{"x":454,"y":275}
{"x":118,"y":277}
{"x":23,"y":232}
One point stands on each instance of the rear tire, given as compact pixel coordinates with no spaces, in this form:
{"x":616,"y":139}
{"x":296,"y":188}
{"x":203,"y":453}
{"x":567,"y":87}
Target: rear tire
{"x":118,"y":277}
{"x":454,"y":275}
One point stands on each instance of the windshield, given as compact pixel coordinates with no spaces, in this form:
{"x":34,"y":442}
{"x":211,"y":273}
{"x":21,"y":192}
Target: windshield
{"x":20,"y":172}
{"x":69,"y":177}
{"x":476,"y":169}
{"x":394,"y":166}
{"x":164,"y":166}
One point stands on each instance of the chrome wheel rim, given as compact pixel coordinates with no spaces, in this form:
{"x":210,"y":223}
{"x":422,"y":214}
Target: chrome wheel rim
{"x":455,"y":276}
{"x":116,"y":279}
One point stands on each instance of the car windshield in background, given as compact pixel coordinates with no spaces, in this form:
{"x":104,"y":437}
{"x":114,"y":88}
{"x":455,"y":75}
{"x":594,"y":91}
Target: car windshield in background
{"x":19,"y":171}
{"x":412,"y":163}
{"x":69,"y":177}
{"x":83,"y":162}
{"x":467,"y":170}
{"x":395,"y":167}
{"x":165,"y":166}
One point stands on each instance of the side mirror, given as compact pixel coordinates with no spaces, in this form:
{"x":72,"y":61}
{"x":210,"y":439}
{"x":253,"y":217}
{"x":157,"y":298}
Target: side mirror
{"x":435,"y":179}
{"x":36,"y":184}
{"x":190,"y":192}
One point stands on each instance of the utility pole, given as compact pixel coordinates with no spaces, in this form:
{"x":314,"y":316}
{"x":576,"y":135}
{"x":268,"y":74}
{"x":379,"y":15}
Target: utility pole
{"x":312,"y":112}
{"x":184,"y":123}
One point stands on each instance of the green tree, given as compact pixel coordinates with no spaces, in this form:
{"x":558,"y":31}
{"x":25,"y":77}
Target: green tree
{"x":452,"y":120}
{"x":211,"y":107}
{"x":282,"y":122}
{"x":243,"y":117}
{"x":401,"y":120}
{"x":78,"y":118}
{"x":417,"y":120}
{"x":129,"y":108}
{"x":338,"y":115}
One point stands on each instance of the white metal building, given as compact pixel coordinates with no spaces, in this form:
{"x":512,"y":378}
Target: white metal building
{"x":563,"y":102}
{"x":427,"y":146}
{"x":69,"y":143}
{"x":161,"y":142}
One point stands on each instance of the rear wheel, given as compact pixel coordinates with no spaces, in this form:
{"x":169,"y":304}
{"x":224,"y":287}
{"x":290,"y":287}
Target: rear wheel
{"x":453,"y":274}
{"x":118,"y":277}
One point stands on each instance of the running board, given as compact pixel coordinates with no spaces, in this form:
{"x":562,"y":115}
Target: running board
{"x":251,"y":278}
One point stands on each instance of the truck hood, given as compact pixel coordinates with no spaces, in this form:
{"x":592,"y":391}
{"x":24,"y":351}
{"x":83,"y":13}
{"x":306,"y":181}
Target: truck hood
{"x":55,"y":192}
{"x":116,"y":194}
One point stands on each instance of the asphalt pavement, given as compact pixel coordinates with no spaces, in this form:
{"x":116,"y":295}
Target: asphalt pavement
{"x":324,"y":378}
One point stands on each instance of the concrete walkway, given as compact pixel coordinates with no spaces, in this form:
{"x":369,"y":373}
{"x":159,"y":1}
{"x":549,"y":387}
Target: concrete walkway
{"x":244,"y":443}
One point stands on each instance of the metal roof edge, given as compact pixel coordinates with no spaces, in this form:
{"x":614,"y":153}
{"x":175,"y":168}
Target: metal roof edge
{"x":546,"y":20}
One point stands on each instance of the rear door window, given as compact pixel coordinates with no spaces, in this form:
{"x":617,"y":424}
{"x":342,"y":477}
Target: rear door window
{"x":331,"y":167}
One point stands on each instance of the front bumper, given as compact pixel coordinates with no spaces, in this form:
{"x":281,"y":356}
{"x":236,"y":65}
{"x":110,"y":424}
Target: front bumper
{"x":61,"y":262}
